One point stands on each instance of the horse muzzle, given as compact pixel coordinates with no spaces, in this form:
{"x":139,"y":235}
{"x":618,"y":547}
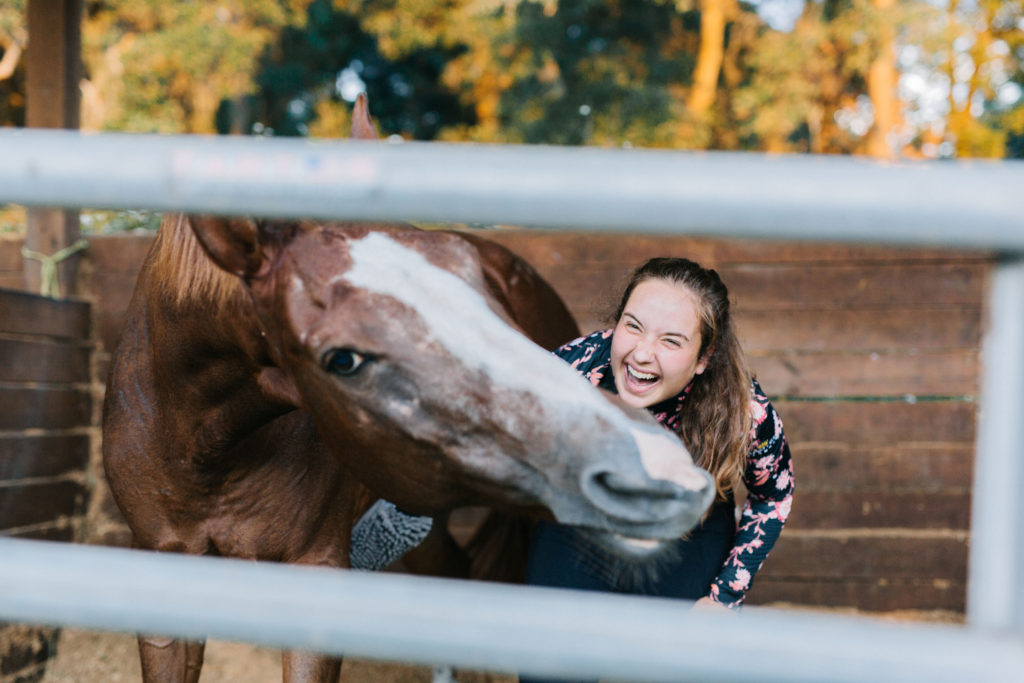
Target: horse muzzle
{"x":639,"y":507}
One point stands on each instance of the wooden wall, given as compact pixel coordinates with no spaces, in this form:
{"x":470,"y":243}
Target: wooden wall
{"x":870,"y":354}
{"x":47,"y":421}
{"x":46,"y":429}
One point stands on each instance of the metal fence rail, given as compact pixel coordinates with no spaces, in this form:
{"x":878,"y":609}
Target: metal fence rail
{"x":476,"y":625}
{"x":741,"y":195}
{"x":975,"y":205}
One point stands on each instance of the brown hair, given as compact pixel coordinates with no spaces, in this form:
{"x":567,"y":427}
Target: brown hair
{"x":715,"y":417}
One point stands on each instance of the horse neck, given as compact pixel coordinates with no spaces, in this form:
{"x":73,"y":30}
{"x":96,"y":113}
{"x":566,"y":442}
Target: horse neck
{"x":203,"y":341}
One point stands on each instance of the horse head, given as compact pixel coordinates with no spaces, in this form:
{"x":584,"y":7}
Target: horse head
{"x":397,"y":343}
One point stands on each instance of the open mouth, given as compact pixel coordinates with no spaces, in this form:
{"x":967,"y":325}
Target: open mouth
{"x":639,"y":381}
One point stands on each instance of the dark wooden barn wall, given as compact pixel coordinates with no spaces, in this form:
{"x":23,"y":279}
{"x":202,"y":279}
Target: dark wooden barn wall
{"x":47,"y":417}
{"x":871,"y":355}
{"x":46,"y":426}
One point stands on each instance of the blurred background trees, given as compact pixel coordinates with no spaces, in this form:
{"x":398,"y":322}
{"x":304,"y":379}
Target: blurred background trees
{"x":910,"y":78}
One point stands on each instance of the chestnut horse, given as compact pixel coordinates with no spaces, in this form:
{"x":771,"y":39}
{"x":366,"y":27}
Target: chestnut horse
{"x":272,"y":374}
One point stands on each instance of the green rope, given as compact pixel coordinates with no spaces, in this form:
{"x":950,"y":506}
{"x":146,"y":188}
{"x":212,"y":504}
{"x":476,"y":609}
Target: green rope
{"x":49,"y":284}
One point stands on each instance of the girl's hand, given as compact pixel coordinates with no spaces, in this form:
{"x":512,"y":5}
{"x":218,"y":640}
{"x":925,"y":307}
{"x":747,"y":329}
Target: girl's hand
{"x":706,"y":604}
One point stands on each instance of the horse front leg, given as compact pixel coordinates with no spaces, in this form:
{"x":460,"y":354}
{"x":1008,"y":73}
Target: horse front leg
{"x":307,"y":667}
{"x":168,"y":660}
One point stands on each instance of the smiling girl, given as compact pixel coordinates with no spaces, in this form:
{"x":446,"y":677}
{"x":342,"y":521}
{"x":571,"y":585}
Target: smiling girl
{"x":674,"y":352}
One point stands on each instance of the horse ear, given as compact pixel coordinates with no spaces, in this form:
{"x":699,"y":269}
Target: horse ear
{"x":232,"y":243}
{"x":362,"y":126}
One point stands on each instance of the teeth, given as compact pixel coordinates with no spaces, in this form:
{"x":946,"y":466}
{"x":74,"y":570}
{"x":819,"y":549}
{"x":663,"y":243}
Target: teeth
{"x":643,"y":376}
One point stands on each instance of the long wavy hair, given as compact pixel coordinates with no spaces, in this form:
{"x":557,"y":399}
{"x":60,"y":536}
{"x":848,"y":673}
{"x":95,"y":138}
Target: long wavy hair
{"x":715,"y":417}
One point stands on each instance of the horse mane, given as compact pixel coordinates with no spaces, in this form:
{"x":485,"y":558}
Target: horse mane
{"x":182,"y":271}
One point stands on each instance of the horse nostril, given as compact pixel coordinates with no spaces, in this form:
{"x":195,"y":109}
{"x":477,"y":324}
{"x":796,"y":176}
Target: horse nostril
{"x":639,"y":500}
{"x":633,"y":499}
{"x":627,"y":488}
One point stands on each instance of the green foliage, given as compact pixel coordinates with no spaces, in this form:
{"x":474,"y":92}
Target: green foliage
{"x":593,"y":72}
{"x":13,"y":40}
{"x":12,"y":219}
{"x":602,"y":72}
{"x":166,"y":66}
{"x":302,"y":70}
{"x":107,"y":222}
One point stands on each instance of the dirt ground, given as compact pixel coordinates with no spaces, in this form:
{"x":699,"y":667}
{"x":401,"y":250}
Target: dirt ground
{"x":96,"y":657}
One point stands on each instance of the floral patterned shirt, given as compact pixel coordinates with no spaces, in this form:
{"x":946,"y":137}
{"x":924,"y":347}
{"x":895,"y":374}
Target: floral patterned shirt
{"x":768,"y":476}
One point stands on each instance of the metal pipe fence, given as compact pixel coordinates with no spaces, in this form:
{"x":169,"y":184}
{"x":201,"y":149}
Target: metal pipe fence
{"x":733,"y":194}
{"x":476,"y":625}
{"x":973,"y":205}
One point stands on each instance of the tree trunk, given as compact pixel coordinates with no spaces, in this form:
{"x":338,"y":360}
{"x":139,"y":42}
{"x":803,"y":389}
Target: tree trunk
{"x":713,"y":14}
{"x":882,"y":78}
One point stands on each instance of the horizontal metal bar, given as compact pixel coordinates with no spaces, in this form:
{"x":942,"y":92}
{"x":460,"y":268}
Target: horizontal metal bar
{"x":967,"y":204}
{"x":474,"y":624}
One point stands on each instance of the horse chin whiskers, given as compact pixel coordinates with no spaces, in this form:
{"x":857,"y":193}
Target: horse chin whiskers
{"x":642,"y":546}
{"x":635,"y":563}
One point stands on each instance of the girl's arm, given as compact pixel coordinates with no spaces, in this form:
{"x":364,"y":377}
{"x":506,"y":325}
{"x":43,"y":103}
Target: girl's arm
{"x":769,"y":482}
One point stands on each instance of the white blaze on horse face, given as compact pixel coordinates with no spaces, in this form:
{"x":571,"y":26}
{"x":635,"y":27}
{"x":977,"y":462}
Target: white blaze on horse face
{"x":459,"y":319}
{"x":297,"y":288}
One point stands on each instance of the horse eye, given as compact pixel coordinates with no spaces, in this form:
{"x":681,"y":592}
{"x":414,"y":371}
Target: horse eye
{"x":344,"y":362}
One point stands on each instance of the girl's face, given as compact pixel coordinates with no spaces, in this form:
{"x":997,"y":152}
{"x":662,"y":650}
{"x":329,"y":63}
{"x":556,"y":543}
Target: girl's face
{"x":656,"y":343}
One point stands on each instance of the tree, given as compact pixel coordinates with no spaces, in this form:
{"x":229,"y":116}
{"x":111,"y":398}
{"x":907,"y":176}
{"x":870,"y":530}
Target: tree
{"x":883,"y":141}
{"x":830,"y":84}
{"x":589,"y":72}
{"x":166,"y":66}
{"x":713,"y":17}
{"x":986,"y":54}
{"x":308,"y":73}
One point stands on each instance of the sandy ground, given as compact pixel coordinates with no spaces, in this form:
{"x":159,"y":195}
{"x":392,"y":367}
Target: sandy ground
{"x":96,"y":657}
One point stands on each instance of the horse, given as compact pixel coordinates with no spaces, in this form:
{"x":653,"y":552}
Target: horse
{"x":274,"y":378}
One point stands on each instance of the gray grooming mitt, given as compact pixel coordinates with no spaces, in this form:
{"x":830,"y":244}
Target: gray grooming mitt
{"x":384,"y":534}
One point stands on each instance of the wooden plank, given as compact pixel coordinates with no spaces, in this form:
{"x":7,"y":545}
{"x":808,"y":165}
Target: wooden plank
{"x":863,"y":285}
{"x":30,"y":504}
{"x":62,"y":531}
{"x":860,"y":330}
{"x":53,"y":68}
{"x":909,"y":467}
{"x":31,"y":314}
{"x":557,"y":247}
{"x":10,"y":253}
{"x":836,"y":556}
{"x":884,"y":423}
{"x":53,"y":63}
{"x":44,"y":408}
{"x":120,"y":254}
{"x":588,"y":270}
{"x":880,"y":510}
{"x":593,"y":302}
{"x":591,"y":292}
{"x":24,"y":456}
{"x":45,"y":361}
{"x":838,"y":374}
{"x":878,"y":595}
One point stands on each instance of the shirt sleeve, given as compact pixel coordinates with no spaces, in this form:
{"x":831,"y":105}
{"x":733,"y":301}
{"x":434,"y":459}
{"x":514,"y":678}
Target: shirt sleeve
{"x":588,"y":355}
{"x":770,"y":484}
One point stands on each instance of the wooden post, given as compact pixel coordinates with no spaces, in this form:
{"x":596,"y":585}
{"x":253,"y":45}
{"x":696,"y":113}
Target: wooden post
{"x":53,"y":70}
